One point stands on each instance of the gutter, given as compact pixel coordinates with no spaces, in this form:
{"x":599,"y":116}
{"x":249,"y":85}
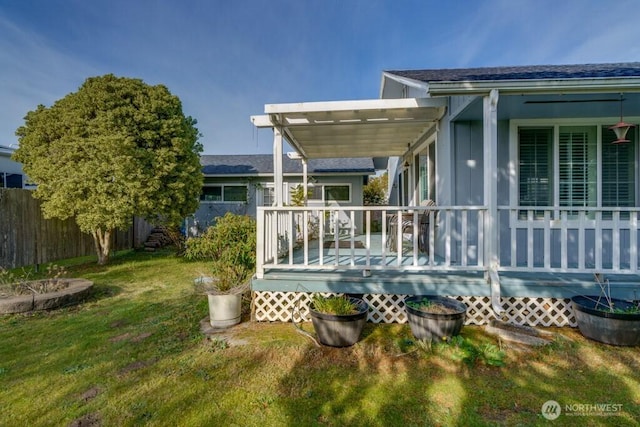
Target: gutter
{"x":538,"y":86}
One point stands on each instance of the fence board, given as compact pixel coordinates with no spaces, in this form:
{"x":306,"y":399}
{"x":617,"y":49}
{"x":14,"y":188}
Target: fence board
{"x":27,"y":238}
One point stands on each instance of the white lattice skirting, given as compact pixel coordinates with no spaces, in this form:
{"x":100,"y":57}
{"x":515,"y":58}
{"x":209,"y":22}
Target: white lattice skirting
{"x":389,"y":308}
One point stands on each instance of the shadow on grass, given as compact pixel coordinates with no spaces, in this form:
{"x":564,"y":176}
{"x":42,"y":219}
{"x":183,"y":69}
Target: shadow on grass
{"x":368,"y":384}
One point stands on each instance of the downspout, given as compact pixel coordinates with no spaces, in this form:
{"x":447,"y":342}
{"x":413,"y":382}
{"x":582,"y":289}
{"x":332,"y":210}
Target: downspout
{"x":490,"y":128}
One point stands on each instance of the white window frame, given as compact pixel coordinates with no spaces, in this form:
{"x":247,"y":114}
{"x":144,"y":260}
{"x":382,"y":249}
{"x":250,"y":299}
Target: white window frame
{"x":222,"y":187}
{"x":514,"y":172}
{"x":323,"y":186}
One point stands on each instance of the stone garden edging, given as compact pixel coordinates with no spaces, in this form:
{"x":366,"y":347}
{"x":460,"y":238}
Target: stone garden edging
{"x":77,"y":290}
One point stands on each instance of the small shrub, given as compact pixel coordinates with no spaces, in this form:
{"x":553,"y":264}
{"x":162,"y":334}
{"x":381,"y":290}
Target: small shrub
{"x":12,"y":284}
{"x":231,"y":246}
{"x":459,"y":349}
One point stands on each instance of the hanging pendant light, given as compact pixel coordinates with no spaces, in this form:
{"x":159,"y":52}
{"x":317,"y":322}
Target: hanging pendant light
{"x":621,"y":128}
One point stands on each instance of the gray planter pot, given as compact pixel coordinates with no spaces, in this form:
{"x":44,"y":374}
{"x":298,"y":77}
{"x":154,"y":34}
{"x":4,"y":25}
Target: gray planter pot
{"x":604,"y":326}
{"x":435,"y":326}
{"x":339,"y":330}
{"x":224,"y":310}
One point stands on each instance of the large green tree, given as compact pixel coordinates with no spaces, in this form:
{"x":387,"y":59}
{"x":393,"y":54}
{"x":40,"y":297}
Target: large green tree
{"x":115,"y":149}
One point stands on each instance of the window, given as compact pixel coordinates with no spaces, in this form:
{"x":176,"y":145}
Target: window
{"x":577,"y":166}
{"x":268,"y":196}
{"x":224,"y":193}
{"x":535,"y":162}
{"x":337,"y":193}
{"x":329,"y":193}
{"x":10,"y":180}
{"x":558,"y":166}
{"x":235,"y":193}
{"x":618,"y":170}
{"x":211,"y":194}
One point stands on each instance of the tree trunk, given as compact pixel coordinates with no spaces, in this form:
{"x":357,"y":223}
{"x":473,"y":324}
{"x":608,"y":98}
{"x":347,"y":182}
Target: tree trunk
{"x":102,"y":242}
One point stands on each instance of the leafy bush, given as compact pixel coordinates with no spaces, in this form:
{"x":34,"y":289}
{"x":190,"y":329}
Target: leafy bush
{"x":231,"y":245}
{"x":375,"y":192}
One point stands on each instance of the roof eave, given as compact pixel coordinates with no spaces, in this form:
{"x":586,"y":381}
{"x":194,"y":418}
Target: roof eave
{"x":539,"y":86}
{"x":418,"y":84}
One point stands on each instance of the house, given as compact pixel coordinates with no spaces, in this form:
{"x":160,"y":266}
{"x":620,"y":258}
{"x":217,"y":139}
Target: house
{"x":537,"y":195}
{"x":241,"y":183}
{"x":11,"y":175}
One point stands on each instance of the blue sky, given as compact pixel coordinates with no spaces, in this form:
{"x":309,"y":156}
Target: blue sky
{"x":225,"y":59}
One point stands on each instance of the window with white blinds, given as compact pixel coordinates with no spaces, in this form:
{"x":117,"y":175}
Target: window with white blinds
{"x":618,"y":170}
{"x":558,"y":166}
{"x":535,"y":166}
{"x":577,"y":166}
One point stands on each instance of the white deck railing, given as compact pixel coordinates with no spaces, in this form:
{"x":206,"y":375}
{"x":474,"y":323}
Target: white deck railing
{"x":544,"y":239}
{"x":369,"y":238}
{"x":597,"y":240}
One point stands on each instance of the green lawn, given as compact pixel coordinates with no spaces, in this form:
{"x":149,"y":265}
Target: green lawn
{"x":134,"y":354}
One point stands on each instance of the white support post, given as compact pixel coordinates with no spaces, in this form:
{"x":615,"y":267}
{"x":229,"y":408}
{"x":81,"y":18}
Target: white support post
{"x":490,"y":146}
{"x":304,"y":181}
{"x":277,"y":166}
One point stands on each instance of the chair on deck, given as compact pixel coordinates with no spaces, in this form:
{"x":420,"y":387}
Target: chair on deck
{"x":407,"y":227}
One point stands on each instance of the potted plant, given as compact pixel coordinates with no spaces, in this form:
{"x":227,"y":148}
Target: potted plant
{"x":338,"y":320}
{"x":231,"y":246}
{"x":224,"y":296}
{"x":434,"y":317}
{"x":606,"y":319}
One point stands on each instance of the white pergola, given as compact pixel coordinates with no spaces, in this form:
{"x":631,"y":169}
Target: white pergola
{"x":363,"y":128}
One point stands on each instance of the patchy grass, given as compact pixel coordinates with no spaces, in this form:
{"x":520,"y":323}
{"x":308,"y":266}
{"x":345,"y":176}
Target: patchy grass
{"x":133,"y":354}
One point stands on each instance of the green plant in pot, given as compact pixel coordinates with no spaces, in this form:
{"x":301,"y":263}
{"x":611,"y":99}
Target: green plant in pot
{"x":338,"y":320}
{"x":231,"y":246}
{"x":606,"y":319}
{"x":434,"y":317}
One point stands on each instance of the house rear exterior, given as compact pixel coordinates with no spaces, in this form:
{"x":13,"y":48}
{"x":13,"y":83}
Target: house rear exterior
{"x":241,"y":183}
{"x":536,"y":196}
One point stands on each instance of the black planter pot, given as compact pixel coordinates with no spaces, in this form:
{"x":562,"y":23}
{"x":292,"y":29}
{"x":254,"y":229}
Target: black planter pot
{"x":432,"y":326}
{"x":339,"y":330}
{"x":605,"y":326}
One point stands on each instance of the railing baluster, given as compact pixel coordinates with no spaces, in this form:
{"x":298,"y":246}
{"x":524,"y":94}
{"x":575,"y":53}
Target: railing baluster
{"x":513,"y":217}
{"x":464,"y":237}
{"x":615,"y":241}
{"x":353,"y":237}
{"x":447,"y":245}
{"x":383,"y":250}
{"x":598,"y":241}
{"x":399,"y":236}
{"x":336,"y":235}
{"x":582,"y":218}
{"x":305,"y":227}
{"x":481,"y":220}
{"x":368,"y":237}
{"x":563,"y":241}
{"x":633,"y":241}
{"x":321,"y":224}
{"x":416,"y":237}
{"x":547,"y":240}
{"x":530,"y":239}
{"x":294,"y":232}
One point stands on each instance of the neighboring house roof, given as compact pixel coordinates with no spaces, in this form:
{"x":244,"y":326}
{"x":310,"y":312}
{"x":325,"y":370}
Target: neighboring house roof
{"x":262,"y":164}
{"x":7,"y":151}
{"x":528,"y":72}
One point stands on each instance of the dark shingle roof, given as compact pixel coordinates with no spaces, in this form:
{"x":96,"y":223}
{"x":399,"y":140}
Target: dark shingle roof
{"x":254,"y":164}
{"x":529,"y":72}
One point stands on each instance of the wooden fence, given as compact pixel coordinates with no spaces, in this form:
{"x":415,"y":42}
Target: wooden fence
{"x":27,"y":238}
